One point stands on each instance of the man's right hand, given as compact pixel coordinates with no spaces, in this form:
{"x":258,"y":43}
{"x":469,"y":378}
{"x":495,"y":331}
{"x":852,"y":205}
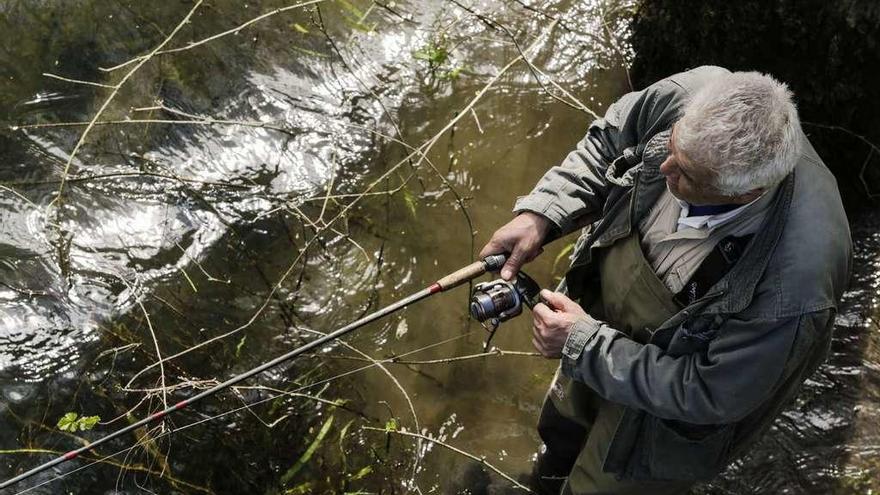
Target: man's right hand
{"x":522,"y":237}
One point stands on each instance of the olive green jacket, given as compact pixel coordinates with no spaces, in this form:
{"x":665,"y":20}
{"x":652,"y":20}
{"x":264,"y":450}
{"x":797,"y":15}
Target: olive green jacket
{"x":712,"y":377}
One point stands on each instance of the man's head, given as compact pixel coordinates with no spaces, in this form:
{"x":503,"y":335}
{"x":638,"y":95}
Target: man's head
{"x":737,"y":137}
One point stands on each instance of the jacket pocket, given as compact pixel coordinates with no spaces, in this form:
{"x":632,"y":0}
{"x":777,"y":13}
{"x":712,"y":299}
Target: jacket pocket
{"x":682,"y":451}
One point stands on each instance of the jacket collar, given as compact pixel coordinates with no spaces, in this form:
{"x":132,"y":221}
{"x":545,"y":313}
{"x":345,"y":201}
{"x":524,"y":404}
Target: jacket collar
{"x":745,"y":274}
{"x":736,"y":289}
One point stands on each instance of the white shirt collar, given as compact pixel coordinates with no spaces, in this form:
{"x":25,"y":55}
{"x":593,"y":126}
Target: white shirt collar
{"x":706,"y":221}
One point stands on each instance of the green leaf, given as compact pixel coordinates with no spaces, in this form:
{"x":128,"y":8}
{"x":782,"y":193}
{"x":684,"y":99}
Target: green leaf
{"x":434,"y":54}
{"x":391,"y":424}
{"x":410,"y":199}
{"x":68,"y":422}
{"x":72,"y":422}
{"x":300,"y":489}
{"x":342,"y":435}
{"x":351,"y":8}
{"x":299,"y":27}
{"x":452,"y":74}
{"x":360,"y":26}
{"x":88,"y":422}
{"x":360,"y":474}
{"x":311,"y":53}
{"x":239,"y":346}
{"x":310,"y":451}
{"x":562,"y":254}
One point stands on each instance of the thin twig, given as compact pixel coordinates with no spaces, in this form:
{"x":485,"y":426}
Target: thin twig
{"x":421,"y":150}
{"x":862,"y":175}
{"x":117,"y":350}
{"x":199,"y":265}
{"x":537,"y":73}
{"x":477,"y":121}
{"x":482,"y":460}
{"x":385,"y":370}
{"x":333,"y":403}
{"x":155,"y":345}
{"x":458,"y":198}
{"x":353,"y":242}
{"x":611,"y":41}
{"x":78,"y":81}
{"x":200,"y":42}
{"x":873,"y":149}
{"x":429,"y":144}
{"x":116,"y":175}
{"x":238,"y":329}
{"x":106,"y":460}
{"x":200,"y":121}
{"x":542,"y":13}
{"x":18,"y":194}
{"x":327,"y":200}
{"x":846,"y":131}
{"x":494,"y":352}
{"x":237,"y":409}
{"x":112,"y":95}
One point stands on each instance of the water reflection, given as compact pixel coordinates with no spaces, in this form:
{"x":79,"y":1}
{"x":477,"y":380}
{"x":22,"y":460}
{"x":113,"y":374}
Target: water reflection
{"x":211,"y":225}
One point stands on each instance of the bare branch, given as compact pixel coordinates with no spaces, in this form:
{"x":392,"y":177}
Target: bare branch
{"x":78,"y":81}
{"x":108,"y":461}
{"x":200,"y":42}
{"x":493,"y":352}
{"x":112,"y":95}
{"x":482,"y":460}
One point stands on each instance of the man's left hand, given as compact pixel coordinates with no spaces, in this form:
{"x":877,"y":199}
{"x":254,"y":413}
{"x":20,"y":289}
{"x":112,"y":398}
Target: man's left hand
{"x":552,"y":321}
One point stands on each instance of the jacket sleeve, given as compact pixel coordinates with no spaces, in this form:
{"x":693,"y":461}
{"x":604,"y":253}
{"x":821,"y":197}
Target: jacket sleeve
{"x":736,"y":373}
{"x":573,"y":193}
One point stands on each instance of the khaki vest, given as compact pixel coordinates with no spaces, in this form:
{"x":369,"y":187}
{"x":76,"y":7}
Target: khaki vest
{"x":635,"y":301}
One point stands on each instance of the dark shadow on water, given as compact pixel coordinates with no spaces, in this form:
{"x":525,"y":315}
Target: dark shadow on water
{"x":827,"y":52}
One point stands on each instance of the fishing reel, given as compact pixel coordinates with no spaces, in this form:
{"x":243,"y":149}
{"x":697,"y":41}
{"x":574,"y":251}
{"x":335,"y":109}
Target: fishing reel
{"x":499,"y":300}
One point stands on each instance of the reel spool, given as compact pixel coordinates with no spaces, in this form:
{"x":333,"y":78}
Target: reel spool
{"x":499,"y":300}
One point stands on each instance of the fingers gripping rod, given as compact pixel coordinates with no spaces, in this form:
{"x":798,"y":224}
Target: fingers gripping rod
{"x":489,"y":264}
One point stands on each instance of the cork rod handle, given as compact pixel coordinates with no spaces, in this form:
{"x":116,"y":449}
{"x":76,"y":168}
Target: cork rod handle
{"x":472,"y":271}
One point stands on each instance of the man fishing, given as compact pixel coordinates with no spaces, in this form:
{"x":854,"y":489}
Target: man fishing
{"x":702,"y":292}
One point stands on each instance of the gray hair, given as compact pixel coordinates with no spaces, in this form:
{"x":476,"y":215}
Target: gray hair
{"x":744,"y":126}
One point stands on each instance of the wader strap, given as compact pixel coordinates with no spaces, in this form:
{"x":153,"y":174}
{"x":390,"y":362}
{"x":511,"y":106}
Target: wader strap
{"x":716,"y":265}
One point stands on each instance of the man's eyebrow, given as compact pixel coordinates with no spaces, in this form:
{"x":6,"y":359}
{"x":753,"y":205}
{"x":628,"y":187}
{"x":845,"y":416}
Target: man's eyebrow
{"x":672,"y":149}
{"x":674,"y":152}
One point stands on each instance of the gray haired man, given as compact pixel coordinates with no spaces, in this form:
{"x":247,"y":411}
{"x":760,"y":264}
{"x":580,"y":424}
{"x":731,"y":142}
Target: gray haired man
{"x":702,"y":292}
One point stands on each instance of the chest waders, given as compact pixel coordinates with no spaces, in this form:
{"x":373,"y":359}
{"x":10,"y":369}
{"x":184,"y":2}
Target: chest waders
{"x":632,"y":300}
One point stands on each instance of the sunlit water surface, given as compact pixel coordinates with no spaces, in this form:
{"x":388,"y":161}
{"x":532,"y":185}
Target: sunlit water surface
{"x":173,"y":230}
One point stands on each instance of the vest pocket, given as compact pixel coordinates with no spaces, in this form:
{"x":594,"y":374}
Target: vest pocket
{"x":681,"y":451}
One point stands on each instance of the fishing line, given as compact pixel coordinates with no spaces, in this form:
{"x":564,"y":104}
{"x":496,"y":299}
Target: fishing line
{"x":244,"y":407}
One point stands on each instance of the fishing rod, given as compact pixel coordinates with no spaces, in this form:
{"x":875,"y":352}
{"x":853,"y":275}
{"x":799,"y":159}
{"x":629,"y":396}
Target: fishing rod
{"x":465,"y":274}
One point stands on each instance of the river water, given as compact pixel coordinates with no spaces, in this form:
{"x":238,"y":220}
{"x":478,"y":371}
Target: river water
{"x":238,"y":196}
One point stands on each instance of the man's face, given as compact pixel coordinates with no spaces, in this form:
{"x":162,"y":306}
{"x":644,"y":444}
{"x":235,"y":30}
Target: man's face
{"x":693,"y":182}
